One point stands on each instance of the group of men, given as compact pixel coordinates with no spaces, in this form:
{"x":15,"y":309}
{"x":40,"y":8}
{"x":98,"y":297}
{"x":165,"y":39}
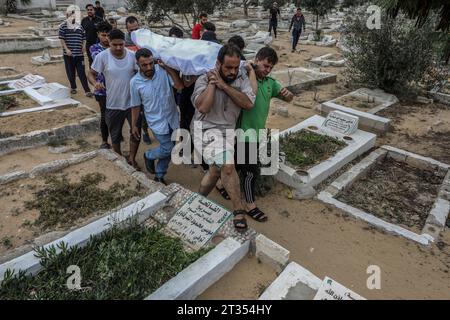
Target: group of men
{"x":131,"y":85}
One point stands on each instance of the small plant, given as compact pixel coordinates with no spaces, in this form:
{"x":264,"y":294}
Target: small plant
{"x":57,"y":142}
{"x":7,"y":243}
{"x":318,"y":35}
{"x":4,"y":87}
{"x":7,"y":102}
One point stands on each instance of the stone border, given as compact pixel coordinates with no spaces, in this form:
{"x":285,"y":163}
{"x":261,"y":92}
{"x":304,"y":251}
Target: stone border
{"x":12,"y":91}
{"x":361,"y":142}
{"x":65,"y":103}
{"x":16,"y":76}
{"x":291,"y":276}
{"x":440,"y":97}
{"x":368,"y":120}
{"x":324,"y":61}
{"x":438,"y":214}
{"x":42,"y":137}
{"x":271,"y":253}
{"x":23,"y":42}
{"x":325,"y":78}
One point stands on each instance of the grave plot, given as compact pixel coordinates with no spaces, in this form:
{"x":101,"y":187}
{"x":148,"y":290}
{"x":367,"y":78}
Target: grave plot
{"x":329,"y":59}
{"x":298,"y":79}
{"x":441,"y":94}
{"x":316,"y":40}
{"x":13,"y":86}
{"x":10,"y":43}
{"x":47,"y":58}
{"x":27,"y":130}
{"x":35,"y":98}
{"x":9,"y":73}
{"x":316,"y":148}
{"x":397,"y":191}
{"x":363,"y":103}
{"x":44,"y":202}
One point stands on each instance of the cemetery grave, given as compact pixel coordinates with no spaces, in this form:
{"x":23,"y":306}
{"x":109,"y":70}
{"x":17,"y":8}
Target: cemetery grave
{"x":329,"y":59}
{"x":9,"y":73}
{"x":12,"y":86}
{"x":317,"y":147}
{"x":298,"y":79}
{"x":10,"y":43}
{"x":365,"y":104}
{"x":395,"y":190}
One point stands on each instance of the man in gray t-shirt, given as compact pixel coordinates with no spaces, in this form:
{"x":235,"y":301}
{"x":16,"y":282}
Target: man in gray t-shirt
{"x":118,"y":66}
{"x":218,"y":98}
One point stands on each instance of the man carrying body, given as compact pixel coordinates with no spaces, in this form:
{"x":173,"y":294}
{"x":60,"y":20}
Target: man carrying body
{"x":152,"y":87}
{"x":273,"y":22}
{"x":255,"y":119}
{"x":198,"y":27}
{"x":219,"y":97}
{"x":132,"y":24}
{"x":297,"y":23}
{"x":89,"y":25}
{"x":118,"y":66}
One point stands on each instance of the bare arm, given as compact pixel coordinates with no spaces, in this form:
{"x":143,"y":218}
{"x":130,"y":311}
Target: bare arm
{"x":205,"y":100}
{"x":134,"y":118}
{"x":286,"y":95}
{"x":238,"y":97}
{"x":66,"y":49}
{"x":252,"y":77}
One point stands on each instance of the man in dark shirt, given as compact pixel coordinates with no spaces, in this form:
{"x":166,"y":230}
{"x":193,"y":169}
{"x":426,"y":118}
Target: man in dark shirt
{"x":99,"y":11}
{"x":273,"y":22}
{"x":297,"y":24}
{"x":89,"y":24}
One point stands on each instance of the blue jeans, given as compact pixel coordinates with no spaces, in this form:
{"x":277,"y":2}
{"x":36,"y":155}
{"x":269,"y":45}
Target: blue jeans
{"x":295,"y":37}
{"x":162,"y":153}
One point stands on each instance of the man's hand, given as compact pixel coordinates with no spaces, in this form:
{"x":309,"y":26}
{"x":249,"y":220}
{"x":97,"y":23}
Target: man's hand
{"x":68,"y":52}
{"x":286,"y":94}
{"x":99,"y":86}
{"x":249,"y":66}
{"x":161,"y":64}
{"x":218,"y":80}
{"x":136,"y":132}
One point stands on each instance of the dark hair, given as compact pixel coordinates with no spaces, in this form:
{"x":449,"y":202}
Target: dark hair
{"x":97,"y":2}
{"x":116,"y":34}
{"x":104,"y":27}
{"x":269,"y":54}
{"x":209,"y":36}
{"x":209,"y":26}
{"x":112,"y":20}
{"x":143,"y":52}
{"x":130,"y":20}
{"x":203,"y":15}
{"x":228,"y":50}
{"x":238,"y":41}
{"x":299,"y":9}
{"x":177,"y":32}
{"x":89,"y":5}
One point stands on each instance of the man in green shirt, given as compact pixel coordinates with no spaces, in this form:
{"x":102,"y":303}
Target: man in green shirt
{"x":255,"y":119}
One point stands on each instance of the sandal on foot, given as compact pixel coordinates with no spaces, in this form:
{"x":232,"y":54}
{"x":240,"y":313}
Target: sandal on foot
{"x":258,"y":215}
{"x":223,"y":193}
{"x":240,"y":223}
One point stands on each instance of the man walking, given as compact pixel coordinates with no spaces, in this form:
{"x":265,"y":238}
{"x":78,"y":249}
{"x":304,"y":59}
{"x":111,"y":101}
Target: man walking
{"x":203,"y":18}
{"x":273,"y":22}
{"x":297,"y":23}
{"x":219,"y":96}
{"x":118,"y":67}
{"x":99,"y":11}
{"x":89,"y":25}
{"x":152,"y":87}
{"x":73,"y":41}
{"x":255,"y":119}
{"x":103,"y":28}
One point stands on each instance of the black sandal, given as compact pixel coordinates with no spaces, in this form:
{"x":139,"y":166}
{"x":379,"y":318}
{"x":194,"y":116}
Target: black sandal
{"x":258,"y":215}
{"x":223,"y":193}
{"x":241,"y":223}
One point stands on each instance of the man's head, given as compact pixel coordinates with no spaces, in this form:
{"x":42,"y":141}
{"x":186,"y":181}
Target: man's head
{"x":176,"y":32}
{"x":103,"y":29}
{"x":265,"y":60}
{"x":144,"y":59}
{"x":132,"y":24}
{"x":117,"y":42}
{"x":228,"y":62}
{"x":207,"y":26}
{"x":238,"y":41}
{"x":203,"y":17}
{"x":90,"y":10}
{"x":275,"y":4}
{"x":97,"y":4}
{"x":299,"y":11}
{"x":113,"y":23}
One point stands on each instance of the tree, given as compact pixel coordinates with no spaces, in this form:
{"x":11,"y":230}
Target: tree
{"x":267,"y":4}
{"x":420,"y":10}
{"x":319,"y":8}
{"x":10,"y":6}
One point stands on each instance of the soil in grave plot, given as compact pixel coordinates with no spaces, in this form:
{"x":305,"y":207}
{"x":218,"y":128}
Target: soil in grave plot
{"x":16,"y":101}
{"x":246,"y":281}
{"x":304,"y":149}
{"x":357,"y":103}
{"x":70,"y":197}
{"x":395,"y":192}
{"x":122,"y":263}
{"x":42,"y":120}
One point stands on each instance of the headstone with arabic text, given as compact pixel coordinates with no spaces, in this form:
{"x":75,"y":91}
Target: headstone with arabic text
{"x":341,"y":122}
{"x":333,"y":290}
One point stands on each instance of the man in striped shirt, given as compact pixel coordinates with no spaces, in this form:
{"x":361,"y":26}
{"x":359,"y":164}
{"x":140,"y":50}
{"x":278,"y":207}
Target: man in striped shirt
{"x":73,"y":41}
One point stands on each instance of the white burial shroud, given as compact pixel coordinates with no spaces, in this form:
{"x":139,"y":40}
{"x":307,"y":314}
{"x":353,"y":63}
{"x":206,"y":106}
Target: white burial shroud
{"x":191,"y":57}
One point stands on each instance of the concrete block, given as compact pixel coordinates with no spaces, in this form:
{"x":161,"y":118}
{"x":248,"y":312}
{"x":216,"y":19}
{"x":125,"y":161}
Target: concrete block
{"x":12,"y":176}
{"x":439,"y":213}
{"x":271,"y":252}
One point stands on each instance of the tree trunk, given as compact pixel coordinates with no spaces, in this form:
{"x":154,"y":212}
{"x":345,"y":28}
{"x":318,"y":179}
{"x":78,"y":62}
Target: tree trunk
{"x":245,"y":2}
{"x":317,"y":22}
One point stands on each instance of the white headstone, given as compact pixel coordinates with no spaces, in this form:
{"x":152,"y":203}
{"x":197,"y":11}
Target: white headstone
{"x":28,"y":80}
{"x":332,"y":290}
{"x":341,"y":122}
{"x":54,"y":91}
{"x":240,"y":24}
{"x":122,"y":10}
{"x":197,"y":221}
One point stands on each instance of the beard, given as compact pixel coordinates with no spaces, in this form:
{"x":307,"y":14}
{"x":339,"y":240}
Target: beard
{"x":229,"y":79}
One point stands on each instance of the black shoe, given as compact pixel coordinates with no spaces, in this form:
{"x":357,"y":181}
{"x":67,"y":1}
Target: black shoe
{"x":105,"y":145}
{"x":161,"y":180}
{"x":149,"y":165}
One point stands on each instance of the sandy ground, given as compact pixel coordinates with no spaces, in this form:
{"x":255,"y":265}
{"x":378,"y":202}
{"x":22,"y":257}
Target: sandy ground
{"x":323,"y":239}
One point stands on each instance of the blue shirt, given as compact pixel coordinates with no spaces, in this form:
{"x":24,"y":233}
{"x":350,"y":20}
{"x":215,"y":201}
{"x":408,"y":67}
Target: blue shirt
{"x":156,"y":96}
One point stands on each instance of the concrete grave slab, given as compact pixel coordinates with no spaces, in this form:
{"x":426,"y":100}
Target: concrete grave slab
{"x":10,"y":73}
{"x":298,"y":79}
{"x":303,"y":180}
{"x":328,"y":59}
{"x":372,"y":101}
{"x":10,"y":43}
{"x":47,"y":58}
{"x":437,"y":216}
{"x":18,"y":85}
